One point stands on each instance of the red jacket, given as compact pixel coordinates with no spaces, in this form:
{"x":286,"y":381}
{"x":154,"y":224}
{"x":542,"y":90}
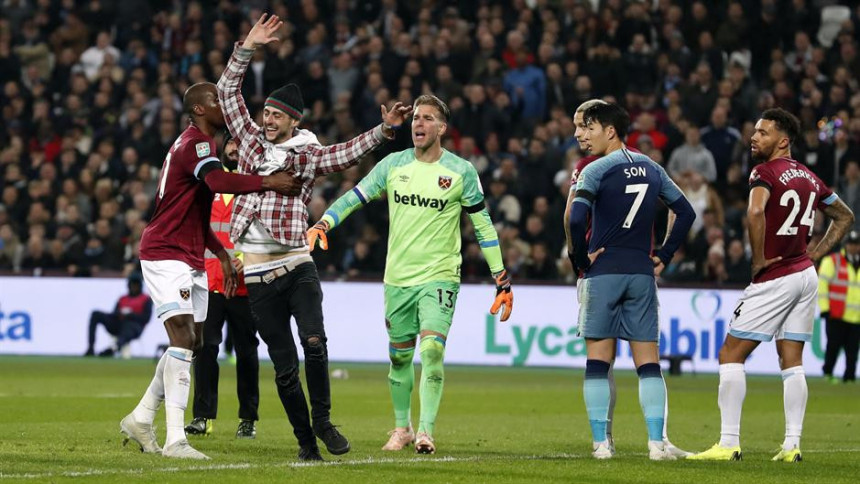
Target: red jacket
{"x":222,"y":209}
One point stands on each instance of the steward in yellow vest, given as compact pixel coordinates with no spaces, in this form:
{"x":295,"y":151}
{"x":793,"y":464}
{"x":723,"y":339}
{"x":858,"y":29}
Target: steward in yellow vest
{"x":839,"y":301}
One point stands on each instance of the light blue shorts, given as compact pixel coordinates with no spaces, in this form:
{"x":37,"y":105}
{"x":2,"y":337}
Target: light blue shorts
{"x":621,"y":306}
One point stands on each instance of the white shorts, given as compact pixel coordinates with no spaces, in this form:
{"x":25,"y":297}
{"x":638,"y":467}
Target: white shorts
{"x":782,"y":307}
{"x":176,"y":288}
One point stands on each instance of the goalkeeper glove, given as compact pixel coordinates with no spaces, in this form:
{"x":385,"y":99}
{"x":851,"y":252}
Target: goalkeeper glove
{"x":504,"y":296}
{"x":318,"y":232}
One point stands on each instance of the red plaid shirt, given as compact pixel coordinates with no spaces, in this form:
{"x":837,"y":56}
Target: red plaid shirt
{"x":284,"y":217}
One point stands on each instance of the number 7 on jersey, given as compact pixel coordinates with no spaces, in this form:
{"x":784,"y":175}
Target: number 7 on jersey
{"x":639,"y":189}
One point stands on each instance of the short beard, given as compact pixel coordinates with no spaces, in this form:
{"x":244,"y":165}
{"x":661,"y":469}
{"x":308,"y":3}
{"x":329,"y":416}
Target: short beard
{"x":761,"y":156}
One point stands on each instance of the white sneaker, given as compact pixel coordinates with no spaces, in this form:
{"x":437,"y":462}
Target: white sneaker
{"x":658,"y":451}
{"x":603,"y":451}
{"x":183,"y":450}
{"x":142,"y":433}
{"x":399,"y":439}
{"x":678,"y":453}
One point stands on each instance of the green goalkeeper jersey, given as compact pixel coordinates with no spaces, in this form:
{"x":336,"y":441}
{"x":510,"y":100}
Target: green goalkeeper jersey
{"x":424,"y":204}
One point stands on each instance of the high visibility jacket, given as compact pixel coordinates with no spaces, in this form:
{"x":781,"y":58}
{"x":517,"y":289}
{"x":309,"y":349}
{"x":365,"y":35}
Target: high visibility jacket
{"x":839,"y":288}
{"x":222,"y":210}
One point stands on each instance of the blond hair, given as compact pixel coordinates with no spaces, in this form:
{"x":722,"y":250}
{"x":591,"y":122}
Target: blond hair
{"x":587,"y":104}
{"x":431,"y":100}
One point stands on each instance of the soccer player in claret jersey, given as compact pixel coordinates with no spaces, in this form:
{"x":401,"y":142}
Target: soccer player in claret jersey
{"x":780,"y":301}
{"x":618,"y":294}
{"x":581,"y":128}
{"x":171,"y":253}
{"x":428,"y":188}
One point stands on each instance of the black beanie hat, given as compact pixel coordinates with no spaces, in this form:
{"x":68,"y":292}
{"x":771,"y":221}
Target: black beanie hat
{"x":287,"y":99}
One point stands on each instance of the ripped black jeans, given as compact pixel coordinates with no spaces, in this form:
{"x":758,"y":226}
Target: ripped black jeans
{"x":297,"y":294}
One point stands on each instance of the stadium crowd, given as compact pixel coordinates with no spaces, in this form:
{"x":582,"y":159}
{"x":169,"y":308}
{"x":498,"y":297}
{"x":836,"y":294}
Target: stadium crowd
{"x":91,"y":102}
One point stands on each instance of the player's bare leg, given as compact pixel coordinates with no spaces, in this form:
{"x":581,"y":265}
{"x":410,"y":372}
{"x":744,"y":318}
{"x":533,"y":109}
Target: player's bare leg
{"x":597,"y":393}
{"x":401,"y":380}
{"x":795,"y":395}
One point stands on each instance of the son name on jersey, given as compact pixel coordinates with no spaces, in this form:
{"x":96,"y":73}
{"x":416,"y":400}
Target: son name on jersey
{"x":635,"y":171}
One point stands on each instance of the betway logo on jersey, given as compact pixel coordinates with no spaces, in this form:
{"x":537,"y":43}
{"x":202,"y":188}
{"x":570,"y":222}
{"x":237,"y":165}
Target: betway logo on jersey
{"x":419,"y":201}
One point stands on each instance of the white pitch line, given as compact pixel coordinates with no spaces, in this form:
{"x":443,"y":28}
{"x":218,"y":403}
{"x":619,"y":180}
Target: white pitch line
{"x":352,"y":462}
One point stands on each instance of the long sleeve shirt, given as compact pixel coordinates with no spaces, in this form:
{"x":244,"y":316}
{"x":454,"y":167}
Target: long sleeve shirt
{"x":284,"y":217}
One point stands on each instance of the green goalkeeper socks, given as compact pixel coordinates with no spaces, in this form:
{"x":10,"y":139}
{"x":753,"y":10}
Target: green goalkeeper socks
{"x":432,"y":350}
{"x":401,"y":379}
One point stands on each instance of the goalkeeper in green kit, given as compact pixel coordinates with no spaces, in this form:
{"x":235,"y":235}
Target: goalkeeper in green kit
{"x":427,"y":189}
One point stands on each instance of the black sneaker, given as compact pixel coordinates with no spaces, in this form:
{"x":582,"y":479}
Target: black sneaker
{"x":309,"y":453}
{"x":334,"y":441}
{"x":247,"y":430}
{"x":199,"y":426}
{"x":108,"y":353}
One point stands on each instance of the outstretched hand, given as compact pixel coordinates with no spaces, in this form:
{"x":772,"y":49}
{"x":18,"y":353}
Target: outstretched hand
{"x":263,"y":32}
{"x":397,"y":115}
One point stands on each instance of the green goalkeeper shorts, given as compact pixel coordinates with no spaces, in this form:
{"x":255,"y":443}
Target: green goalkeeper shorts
{"x":428,"y":307}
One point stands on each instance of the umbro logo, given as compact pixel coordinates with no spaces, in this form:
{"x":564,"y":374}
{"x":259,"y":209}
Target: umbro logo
{"x":403,"y":178}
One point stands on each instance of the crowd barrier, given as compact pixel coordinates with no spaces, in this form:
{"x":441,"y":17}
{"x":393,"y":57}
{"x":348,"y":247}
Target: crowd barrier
{"x":49,"y":316}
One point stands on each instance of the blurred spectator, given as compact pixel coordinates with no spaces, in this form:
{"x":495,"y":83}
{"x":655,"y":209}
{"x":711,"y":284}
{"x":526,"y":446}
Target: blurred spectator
{"x":849,"y":187}
{"x":737,"y":264}
{"x":90,"y":102}
{"x":540,"y":266}
{"x":93,"y":58}
{"x":720,"y":139}
{"x":692,"y":157}
{"x":645,"y":125}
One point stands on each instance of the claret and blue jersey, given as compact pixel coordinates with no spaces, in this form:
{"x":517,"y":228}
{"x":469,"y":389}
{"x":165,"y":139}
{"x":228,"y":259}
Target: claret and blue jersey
{"x":621,"y":191}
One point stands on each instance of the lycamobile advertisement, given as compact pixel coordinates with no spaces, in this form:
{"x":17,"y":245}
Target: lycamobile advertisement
{"x":50,"y":316}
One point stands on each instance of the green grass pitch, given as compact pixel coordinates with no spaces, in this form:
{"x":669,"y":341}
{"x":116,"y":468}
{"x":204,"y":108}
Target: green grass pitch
{"x":59,"y":421}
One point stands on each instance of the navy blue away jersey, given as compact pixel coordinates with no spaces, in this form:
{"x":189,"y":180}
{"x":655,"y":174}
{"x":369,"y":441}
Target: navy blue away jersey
{"x":622,"y":190}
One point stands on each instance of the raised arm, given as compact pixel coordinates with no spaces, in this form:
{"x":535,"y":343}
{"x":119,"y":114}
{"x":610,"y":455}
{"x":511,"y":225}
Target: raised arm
{"x":339,"y":157}
{"x":369,"y":188}
{"x":236,"y":115}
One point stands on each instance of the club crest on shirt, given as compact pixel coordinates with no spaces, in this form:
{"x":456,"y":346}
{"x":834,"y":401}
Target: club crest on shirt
{"x":444,"y":182}
{"x":202,"y":149}
{"x":754,"y":176}
{"x":185,"y":293}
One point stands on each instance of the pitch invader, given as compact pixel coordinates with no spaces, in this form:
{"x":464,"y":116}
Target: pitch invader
{"x":171,"y":253}
{"x":618,"y":293}
{"x":581,"y":128}
{"x":780,"y":301}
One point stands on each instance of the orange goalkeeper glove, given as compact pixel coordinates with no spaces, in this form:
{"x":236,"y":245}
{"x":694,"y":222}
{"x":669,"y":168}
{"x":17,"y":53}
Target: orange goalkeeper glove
{"x":504,"y":296}
{"x":318,"y":232}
